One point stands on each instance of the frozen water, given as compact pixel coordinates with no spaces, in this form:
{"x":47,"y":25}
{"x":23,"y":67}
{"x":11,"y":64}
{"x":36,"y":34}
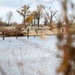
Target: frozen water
{"x":33,"y":56}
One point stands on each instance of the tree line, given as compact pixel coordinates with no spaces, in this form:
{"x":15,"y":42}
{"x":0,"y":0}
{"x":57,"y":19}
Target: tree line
{"x":42,"y":13}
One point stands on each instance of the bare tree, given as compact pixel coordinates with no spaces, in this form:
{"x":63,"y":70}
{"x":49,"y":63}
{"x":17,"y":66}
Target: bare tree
{"x":45,"y":19}
{"x":24,"y":12}
{"x":39,"y":13}
{"x":71,"y":19}
{"x":9,"y":16}
{"x":58,"y":17}
{"x":50,"y":14}
{"x":34,"y":14}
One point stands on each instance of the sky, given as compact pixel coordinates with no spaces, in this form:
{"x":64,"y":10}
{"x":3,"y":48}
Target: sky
{"x":14,"y":5}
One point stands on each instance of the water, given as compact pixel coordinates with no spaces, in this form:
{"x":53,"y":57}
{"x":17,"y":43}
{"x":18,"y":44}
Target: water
{"x":33,"y":56}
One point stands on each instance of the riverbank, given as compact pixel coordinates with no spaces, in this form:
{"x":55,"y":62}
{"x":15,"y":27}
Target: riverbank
{"x":32,"y":30}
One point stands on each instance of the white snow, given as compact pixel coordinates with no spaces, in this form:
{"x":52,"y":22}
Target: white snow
{"x":33,"y":56}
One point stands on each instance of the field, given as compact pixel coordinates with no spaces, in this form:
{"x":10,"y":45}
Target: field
{"x":33,"y":56}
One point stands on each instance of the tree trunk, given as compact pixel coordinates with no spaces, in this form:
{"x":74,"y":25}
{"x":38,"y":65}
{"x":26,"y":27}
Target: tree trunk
{"x":34,"y":21}
{"x":38,"y":21}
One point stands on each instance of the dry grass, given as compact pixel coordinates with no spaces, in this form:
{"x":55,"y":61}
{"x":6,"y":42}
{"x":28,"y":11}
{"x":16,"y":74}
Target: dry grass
{"x":19,"y":30}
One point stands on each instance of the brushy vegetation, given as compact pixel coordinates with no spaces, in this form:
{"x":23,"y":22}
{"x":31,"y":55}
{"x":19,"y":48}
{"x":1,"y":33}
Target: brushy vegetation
{"x":67,"y":66}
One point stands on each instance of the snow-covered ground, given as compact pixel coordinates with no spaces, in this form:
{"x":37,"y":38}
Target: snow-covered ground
{"x":33,"y":56}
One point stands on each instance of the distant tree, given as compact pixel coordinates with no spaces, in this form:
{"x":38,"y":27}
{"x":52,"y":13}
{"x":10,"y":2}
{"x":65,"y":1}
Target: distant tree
{"x":50,"y":14}
{"x":58,"y":17}
{"x":71,"y":19}
{"x":24,"y":12}
{"x":39,"y":12}
{"x":9,"y":16}
{"x":1,"y":22}
{"x":4,"y":23}
{"x":45,"y":19}
{"x":1,"y":19}
{"x":14,"y":23}
{"x":34,"y":14}
{"x":29,"y":19}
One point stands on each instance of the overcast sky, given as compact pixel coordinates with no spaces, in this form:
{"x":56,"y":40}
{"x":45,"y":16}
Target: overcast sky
{"x":13,"y":5}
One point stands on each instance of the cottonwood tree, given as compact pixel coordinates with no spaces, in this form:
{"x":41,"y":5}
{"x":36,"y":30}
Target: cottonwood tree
{"x":9,"y":16}
{"x":50,"y":14}
{"x":24,"y":12}
{"x":29,"y":19}
{"x":34,"y":14}
{"x":39,"y":12}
